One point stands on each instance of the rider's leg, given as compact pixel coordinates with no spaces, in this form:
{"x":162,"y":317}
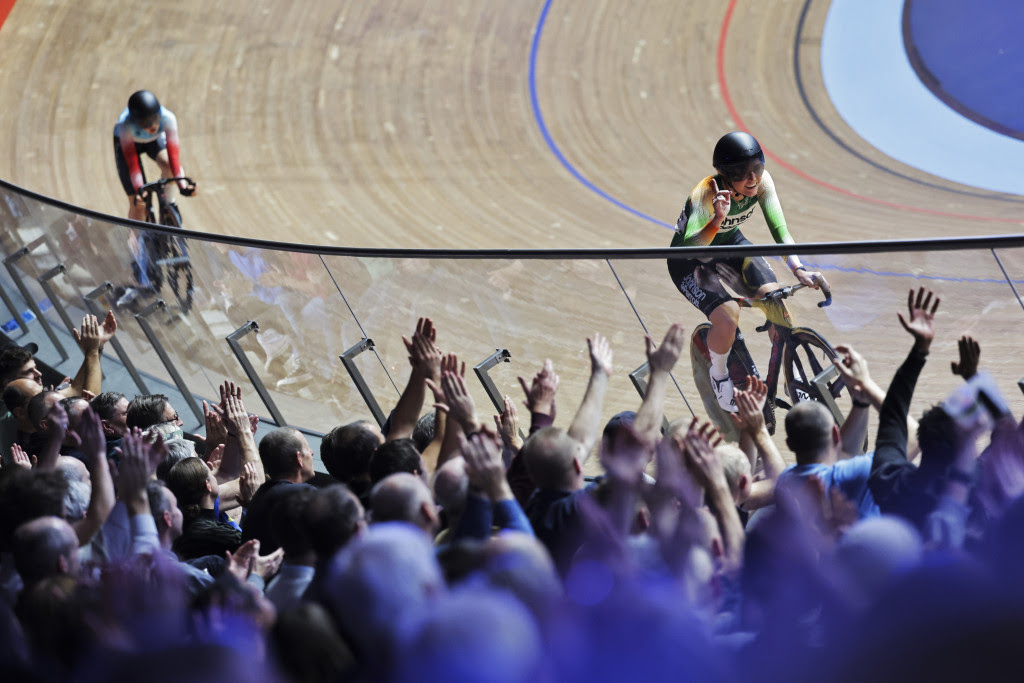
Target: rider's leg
{"x":700,"y":283}
{"x":724,"y":320}
{"x":163,"y":160}
{"x":136,"y":209}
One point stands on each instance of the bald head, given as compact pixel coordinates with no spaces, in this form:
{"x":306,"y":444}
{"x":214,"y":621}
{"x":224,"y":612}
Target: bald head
{"x":403,"y":497}
{"x":16,"y":397}
{"x":74,"y":406}
{"x":73,"y":469}
{"x":550,"y":458}
{"x":811,"y":432}
{"x":737,"y":470}
{"x":451,"y":486}
{"x":44,"y":547}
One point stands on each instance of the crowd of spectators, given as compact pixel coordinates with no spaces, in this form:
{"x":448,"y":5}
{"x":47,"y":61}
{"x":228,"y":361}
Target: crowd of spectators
{"x":450,"y":546}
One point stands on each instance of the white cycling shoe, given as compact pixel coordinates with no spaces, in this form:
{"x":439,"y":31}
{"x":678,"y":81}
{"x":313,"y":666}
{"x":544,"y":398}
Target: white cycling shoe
{"x":723,"y":392}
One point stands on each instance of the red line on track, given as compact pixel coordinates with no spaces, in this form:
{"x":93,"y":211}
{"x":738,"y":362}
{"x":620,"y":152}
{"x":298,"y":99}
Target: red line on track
{"x":723,"y":86}
{"x":5,"y":9}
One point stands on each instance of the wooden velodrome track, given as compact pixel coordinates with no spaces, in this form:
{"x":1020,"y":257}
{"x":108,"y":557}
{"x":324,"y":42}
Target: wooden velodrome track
{"x":451,"y":124}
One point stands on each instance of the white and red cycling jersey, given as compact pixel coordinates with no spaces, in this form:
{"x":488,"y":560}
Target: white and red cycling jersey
{"x":129,"y":135}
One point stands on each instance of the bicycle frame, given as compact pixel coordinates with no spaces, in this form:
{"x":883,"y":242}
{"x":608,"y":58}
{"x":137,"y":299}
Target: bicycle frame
{"x":824,"y":383}
{"x":168,"y":252}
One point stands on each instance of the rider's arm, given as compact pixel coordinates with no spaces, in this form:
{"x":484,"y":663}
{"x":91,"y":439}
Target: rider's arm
{"x":771,"y":207}
{"x":131,"y":156}
{"x":170,"y":126}
{"x":699,"y":215}
{"x":768,"y":199}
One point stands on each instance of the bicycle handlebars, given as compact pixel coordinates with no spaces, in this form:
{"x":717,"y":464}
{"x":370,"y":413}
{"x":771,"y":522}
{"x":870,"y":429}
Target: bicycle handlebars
{"x":788,"y":291}
{"x":144,"y":191}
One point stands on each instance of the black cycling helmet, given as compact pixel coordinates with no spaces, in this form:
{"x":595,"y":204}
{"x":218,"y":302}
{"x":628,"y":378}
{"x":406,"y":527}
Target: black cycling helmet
{"x":143,"y":106}
{"x":734,"y":153}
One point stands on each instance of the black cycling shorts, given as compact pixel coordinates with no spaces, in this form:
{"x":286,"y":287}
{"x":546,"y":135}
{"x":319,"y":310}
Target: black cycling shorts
{"x":701,"y":284}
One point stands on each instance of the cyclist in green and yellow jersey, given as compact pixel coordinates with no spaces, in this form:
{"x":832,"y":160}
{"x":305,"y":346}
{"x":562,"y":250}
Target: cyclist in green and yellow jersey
{"x":712,"y":216}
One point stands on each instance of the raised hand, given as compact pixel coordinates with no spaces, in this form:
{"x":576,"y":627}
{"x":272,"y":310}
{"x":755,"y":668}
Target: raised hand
{"x":750,"y":405}
{"x":970,"y":353}
{"x":920,"y":320}
{"x":664,"y":357}
{"x":248,"y":484}
{"x":20,"y":457}
{"x":540,"y":393}
{"x":706,"y":430}
{"x":88,"y":337}
{"x":701,"y":459}
{"x":216,"y":432}
{"x":854,"y":370}
{"x":148,"y":453}
{"x":458,"y":403}
{"x":266,"y":566}
{"x":507,"y":424}
{"x":424,"y":356}
{"x":451,"y":363}
{"x":240,"y":562}
{"x":214,"y":458}
{"x":133,"y":472}
{"x":722,"y":201}
{"x":107,"y":328}
{"x":600,"y":354}
{"x":484,"y":466}
{"x":236,"y":420}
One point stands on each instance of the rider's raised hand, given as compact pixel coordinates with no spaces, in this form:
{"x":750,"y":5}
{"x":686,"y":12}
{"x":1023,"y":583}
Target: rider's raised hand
{"x":920,"y":322}
{"x":722,"y":202}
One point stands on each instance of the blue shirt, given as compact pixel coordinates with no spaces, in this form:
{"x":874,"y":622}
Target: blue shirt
{"x":850,"y":476}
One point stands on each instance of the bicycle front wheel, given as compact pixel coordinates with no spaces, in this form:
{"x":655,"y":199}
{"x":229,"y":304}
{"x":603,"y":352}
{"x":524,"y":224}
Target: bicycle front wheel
{"x":810,"y":374}
{"x":170,"y":215}
{"x":175,"y":259}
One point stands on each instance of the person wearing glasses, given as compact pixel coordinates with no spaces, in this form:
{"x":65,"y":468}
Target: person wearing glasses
{"x":712,"y":216}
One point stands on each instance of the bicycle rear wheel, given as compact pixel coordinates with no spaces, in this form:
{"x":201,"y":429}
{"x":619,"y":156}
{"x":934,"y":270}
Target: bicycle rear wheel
{"x":810,"y":375}
{"x":741,"y":364}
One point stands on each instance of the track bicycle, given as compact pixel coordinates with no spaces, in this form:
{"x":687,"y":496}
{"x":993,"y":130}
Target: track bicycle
{"x":801,"y":356}
{"x":165,"y":257}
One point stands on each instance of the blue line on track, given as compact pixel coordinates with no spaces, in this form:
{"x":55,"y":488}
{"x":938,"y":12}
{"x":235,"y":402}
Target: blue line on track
{"x":539,"y":118}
